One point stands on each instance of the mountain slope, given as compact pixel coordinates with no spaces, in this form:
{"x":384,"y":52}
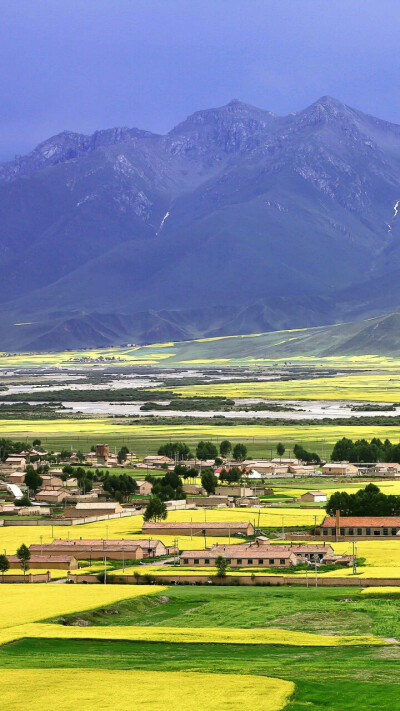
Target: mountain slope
{"x":377,"y":336}
{"x":235,"y":217}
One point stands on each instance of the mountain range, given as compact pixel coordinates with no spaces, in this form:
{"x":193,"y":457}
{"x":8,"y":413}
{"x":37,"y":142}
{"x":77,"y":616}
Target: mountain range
{"x":236,"y":221}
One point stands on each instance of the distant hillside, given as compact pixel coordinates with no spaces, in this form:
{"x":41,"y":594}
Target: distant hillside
{"x":237,"y":220}
{"x":376,"y":336}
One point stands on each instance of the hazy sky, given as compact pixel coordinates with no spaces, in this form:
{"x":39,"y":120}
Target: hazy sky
{"x":88,"y":64}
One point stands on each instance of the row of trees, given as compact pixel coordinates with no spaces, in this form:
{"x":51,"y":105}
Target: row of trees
{"x":204,"y":450}
{"x":305,"y":456}
{"x":363,"y":451}
{"x":365,"y":502}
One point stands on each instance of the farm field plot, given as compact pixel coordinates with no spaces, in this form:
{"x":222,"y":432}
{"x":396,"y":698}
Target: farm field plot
{"x":190,"y":635}
{"x":373,"y":671}
{"x":313,"y":616}
{"x":105,"y":689}
{"x":22,"y":604}
{"x":374,"y":388}
{"x":329,"y":487}
{"x":230,"y":351}
{"x":230,"y":645}
{"x":260,"y":439}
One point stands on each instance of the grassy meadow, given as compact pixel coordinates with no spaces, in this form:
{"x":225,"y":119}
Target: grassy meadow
{"x":271,"y":648}
{"x":260,"y":439}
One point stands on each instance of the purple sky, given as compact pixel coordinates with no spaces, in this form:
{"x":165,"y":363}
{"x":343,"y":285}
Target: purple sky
{"x":88,"y":64}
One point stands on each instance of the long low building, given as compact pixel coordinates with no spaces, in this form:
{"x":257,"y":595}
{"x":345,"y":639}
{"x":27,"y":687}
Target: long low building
{"x":233,"y":490}
{"x":240,"y":556}
{"x":87,"y":509}
{"x":209,"y":501}
{"x":96,"y":549}
{"x":46,"y":561}
{"x":264,"y":555}
{"x":336,"y":527}
{"x":199,"y":528}
{"x":308,"y":551}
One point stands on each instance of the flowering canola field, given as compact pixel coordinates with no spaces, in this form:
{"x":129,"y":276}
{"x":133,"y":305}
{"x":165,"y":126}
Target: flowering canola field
{"x":97,"y":690}
{"x":376,"y":388}
{"x":52,"y":431}
{"x":22,"y":604}
{"x":189,"y":635}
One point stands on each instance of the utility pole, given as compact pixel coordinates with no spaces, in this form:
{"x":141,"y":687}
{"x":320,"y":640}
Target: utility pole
{"x":354,"y":558}
{"x":316,"y":571}
{"x":105,"y":567}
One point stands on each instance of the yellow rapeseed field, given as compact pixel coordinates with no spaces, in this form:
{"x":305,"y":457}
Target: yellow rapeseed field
{"x":380,"y":387}
{"x":52,"y":431}
{"x":381,"y":590}
{"x":22,"y":604}
{"x":101,"y":690}
{"x":188,"y":635}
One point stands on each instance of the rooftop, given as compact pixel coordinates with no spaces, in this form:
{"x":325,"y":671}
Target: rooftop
{"x":197,"y":524}
{"x":362,"y":521}
{"x":98,"y":505}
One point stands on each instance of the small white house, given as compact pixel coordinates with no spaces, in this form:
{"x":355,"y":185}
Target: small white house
{"x":255,"y":475}
{"x":316,"y":497}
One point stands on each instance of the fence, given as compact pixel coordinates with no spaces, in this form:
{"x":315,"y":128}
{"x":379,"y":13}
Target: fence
{"x":276,"y":580}
{"x":28,"y":578}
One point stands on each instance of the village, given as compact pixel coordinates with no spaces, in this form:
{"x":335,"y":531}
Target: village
{"x":75,"y":491}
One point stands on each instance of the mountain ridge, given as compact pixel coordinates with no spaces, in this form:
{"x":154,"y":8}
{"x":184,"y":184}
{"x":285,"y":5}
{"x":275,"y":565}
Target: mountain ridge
{"x":235,"y":211}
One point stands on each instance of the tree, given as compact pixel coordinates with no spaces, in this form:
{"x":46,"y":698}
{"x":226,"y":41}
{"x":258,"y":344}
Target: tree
{"x":68,"y":470}
{"x":80,"y":456}
{"x":156,"y":510}
{"x":209,"y":481}
{"x":280,"y":448}
{"x":305,"y":456}
{"x":234,"y":475}
{"x":36,"y":443}
{"x":221,"y":565}
{"x":24,"y":555}
{"x":206,"y":450}
{"x":32,"y":479}
{"x":225,"y":448}
{"x":24,"y":501}
{"x":4,"y":565}
{"x":239,"y":452}
{"x":122,"y":454}
{"x":180,"y":450}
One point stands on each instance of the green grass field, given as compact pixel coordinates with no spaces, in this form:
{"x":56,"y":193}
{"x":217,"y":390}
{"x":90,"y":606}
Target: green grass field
{"x":143,"y":439}
{"x":365,"y":675}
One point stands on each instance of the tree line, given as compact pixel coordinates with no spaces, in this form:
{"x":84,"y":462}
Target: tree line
{"x":365,"y":452}
{"x":370,"y":501}
{"x":204,"y":450}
